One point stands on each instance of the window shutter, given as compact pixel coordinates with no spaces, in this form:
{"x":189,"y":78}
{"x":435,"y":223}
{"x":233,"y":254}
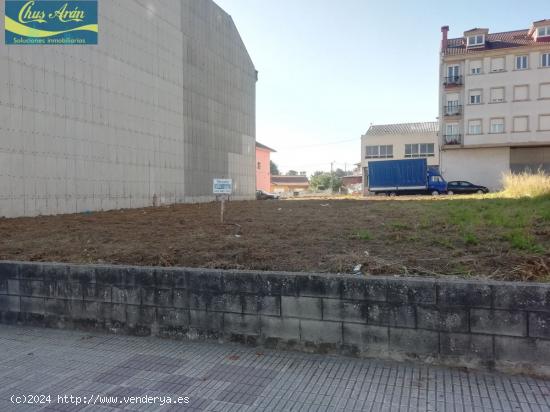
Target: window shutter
{"x":521,"y":92}
{"x":451,"y":98}
{"x":520,"y":123}
{"x":474,"y":99}
{"x":475,"y":66}
{"x":545,"y":91}
{"x":544,"y":122}
{"x":497,"y":64}
{"x":497,"y":95}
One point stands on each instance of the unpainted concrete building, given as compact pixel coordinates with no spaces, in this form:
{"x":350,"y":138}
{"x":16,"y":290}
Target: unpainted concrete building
{"x":161,"y":106}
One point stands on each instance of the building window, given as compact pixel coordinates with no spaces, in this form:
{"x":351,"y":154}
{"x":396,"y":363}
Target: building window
{"x":373,"y":152}
{"x":475,"y":97}
{"x":452,"y":133}
{"x":451,"y":129}
{"x":521,"y":92}
{"x":521,"y":123}
{"x":453,"y":104}
{"x":476,"y":40}
{"x":497,"y":95}
{"x":543,"y":31}
{"x":475,"y":67}
{"x":386,"y":151}
{"x":419,"y":150}
{"x":453,"y":75}
{"x":544,"y":91}
{"x":522,"y":62}
{"x":545,"y":60}
{"x":474,"y":127}
{"x":497,"y":125}
{"x":259,"y":165}
{"x":497,"y":64}
{"x":453,"y":71}
{"x":379,"y":152}
{"x":544,"y":122}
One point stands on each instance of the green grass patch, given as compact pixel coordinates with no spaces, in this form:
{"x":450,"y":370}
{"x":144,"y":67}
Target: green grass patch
{"x":362,"y":234}
{"x":471,"y":239}
{"x":460,"y":235}
{"x":523,"y":241}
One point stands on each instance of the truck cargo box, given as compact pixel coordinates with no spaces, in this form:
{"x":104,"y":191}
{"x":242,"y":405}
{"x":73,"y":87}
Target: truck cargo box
{"x":387,"y":175}
{"x":408,"y":176}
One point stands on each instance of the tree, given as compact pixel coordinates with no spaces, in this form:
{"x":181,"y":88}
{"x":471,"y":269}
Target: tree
{"x":292,"y":173}
{"x":323,"y":181}
{"x":341,"y":173}
{"x":274,"y":169}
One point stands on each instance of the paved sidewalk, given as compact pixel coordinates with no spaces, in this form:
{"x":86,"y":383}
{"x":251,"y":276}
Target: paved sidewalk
{"x":235,"y":378}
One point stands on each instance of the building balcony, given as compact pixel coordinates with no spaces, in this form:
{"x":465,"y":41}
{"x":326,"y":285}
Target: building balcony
{"x":452,"y":110}
{"x":452,"y":139}
{"x":453,"y":81}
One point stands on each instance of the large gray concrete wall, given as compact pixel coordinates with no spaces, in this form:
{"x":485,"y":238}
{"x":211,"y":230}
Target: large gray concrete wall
{"x":504,"y":326}
{"x":164,"y":104}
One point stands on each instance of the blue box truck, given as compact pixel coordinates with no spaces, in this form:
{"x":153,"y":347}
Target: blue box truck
{"x":409,"y":176}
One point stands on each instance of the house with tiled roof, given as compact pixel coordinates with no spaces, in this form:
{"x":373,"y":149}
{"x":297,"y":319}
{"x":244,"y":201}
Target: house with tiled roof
{"x":399,"y":141}
{"x":289,"y":184}
{"x":494,"y":103}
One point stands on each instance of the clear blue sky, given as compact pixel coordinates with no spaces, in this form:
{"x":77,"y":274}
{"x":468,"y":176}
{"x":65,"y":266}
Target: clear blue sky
{"x":328,"y":69}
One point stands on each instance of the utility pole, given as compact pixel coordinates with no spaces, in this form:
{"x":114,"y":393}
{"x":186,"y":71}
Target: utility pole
{"x":331,"y":177}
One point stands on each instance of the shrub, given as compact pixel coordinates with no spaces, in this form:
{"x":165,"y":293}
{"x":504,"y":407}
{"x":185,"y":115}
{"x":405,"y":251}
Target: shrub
{"x":526,"y":184}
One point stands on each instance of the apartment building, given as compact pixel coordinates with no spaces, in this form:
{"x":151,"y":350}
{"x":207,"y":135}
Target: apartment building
{"x":399,"y":141}
{"x":495,"y":103}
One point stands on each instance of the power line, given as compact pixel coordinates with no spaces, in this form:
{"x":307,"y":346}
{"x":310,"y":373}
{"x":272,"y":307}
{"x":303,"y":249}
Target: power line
{"x":316,"y":145}
{"x":348,"y":163}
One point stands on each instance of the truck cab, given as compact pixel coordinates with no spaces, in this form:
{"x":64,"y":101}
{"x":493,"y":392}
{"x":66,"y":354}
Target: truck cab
{"x":436,"y":184}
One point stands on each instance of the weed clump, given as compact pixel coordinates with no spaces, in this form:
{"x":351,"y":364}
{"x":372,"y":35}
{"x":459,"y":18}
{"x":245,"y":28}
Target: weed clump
{"x":526,"y":184}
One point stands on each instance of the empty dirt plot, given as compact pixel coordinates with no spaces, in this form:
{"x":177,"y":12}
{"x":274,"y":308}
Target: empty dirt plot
{"x":468,"y":237}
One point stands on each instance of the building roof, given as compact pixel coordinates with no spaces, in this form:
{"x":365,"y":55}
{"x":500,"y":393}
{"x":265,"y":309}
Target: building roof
{"x":353,"y":179}
{"x":494,"y":41}
{"x":263,"y":146}
{"x":476,"y":29}
{"x":403,"y":128}
{"x":290,"y":180}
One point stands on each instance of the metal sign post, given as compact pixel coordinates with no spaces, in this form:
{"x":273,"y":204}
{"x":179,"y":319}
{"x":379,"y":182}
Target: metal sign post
{"x":223,"y":188}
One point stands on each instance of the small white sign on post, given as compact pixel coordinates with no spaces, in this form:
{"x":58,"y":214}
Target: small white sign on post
{"x":223,"y":187}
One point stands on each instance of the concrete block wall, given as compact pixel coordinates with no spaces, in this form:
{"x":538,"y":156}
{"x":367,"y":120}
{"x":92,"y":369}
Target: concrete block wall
{"x":491,"y":325}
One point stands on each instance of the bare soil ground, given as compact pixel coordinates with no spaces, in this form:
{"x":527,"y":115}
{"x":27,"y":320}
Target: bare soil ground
{"x":470,"y":237}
